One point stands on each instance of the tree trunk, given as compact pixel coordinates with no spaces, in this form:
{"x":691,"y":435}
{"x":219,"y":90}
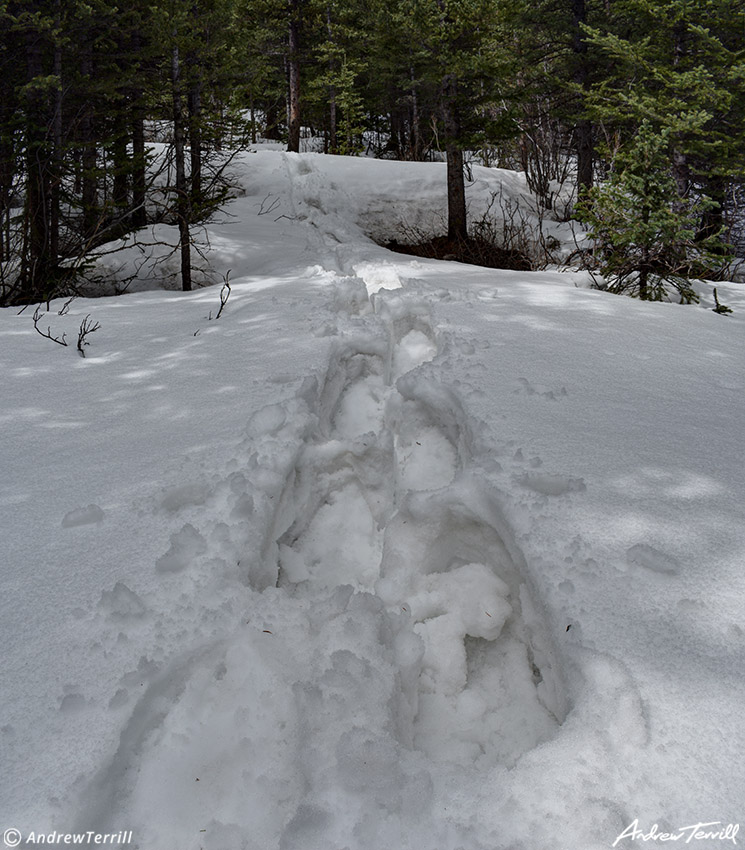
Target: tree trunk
{"x":644,"y":265}
{"x":139,"y":156}
{"x":583,"y":130}
{"x":397,"y":143}
{"x":585,"y":154}
{"x":195,"y":137}
{"x":7,"y":173}
{"x":89,"y":195}
{"x":293,"y":75}
{"x":120,"y":189}
{"x":271,"y":130}
{"x":88,"y":157}
{"x":139,"y":178}
{"x":712,"y":220}
{"x":416,"y":133}
{"x":182,"y":196}
{"x":56,"y":170}
{"x":681,"y":168}
{"x":36,"y":255}
{"x":457,"y":225}
{"x":682,"y":177}
{"x":333,"y":146}
{"x":333,"y":132}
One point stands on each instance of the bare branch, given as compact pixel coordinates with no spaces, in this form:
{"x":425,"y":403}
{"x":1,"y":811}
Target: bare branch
{"x":224,"y":295}
{"x":86,"y":327}
{"x":48,"y":335}
{"x":66,"y":306}
{"x":264,"y":209}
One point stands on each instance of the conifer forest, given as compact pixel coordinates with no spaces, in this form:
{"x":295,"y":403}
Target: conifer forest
{"x":625,"y":115}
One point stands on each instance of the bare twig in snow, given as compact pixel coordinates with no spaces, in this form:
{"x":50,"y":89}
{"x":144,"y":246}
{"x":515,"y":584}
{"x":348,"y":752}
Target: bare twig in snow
{"x":86,"y":327}
{"x":66,"y":306}
{"x":48,"y":335}
{"x":264,"y":209}
{"x":224,"y":295}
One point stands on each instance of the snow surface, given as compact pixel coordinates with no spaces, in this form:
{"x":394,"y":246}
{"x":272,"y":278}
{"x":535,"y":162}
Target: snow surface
{"x":394,"y":554}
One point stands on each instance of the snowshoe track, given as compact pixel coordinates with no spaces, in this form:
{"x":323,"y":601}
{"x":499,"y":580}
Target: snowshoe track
{"x":384,"y":501}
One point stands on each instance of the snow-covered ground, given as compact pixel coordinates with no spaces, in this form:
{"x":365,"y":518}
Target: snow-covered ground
{"x":395,"y":554}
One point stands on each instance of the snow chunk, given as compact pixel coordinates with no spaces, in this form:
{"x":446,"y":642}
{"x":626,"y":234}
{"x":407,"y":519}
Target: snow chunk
{"x":293,"y":564}
{"x":83,"y":516}
{"x":552,"y":485}
{"x":470,"y":600}
{"x":360,"y":408}
{"x":185,"y":495}
{"x":185,"y":546}
{"x":644,"y":555}
{"x":427,"y":462}
{"x":342,"y":543}
{"x":378,"y":276}
{"x":307,"y":828}
{"x":267,"y":421}
{"x":122,"y":602}
{"x":414,"y":349}
{"x":72,"y":703}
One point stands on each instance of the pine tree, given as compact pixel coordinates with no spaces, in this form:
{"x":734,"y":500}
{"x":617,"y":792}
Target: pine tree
{"x":200,"y":73}
{"x":644,"y":241}
{"x":681,"y":68}
{"x":455,"y":35}
{"x":553,"y":65}
{"x":334,"y":91}
{"x":400,"y":93}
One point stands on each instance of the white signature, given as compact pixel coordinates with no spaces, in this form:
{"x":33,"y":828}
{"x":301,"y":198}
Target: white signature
{"x":696,"y":831}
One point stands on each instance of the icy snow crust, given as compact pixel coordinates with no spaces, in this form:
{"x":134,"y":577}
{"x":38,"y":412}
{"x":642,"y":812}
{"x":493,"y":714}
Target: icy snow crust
{"x":396,"y":554}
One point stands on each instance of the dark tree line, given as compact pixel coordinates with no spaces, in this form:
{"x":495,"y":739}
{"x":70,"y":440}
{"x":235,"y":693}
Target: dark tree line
{"x":580,"y":92}
{"x":84,"y":85}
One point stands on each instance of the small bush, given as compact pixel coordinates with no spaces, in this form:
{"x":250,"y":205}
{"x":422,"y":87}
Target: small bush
{"x":644,"y":235}
{"x":504,"y":237}
{"x":475,"y":250}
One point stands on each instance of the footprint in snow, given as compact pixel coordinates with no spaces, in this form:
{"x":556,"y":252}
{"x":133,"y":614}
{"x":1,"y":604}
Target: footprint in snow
{"x":378,"y":506}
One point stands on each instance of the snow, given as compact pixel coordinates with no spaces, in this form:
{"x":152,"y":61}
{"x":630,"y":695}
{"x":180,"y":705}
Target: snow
{"x":396,"y":553}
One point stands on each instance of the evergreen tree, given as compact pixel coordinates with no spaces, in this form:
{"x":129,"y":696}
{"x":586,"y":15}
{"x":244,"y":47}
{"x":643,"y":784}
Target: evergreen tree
{"x":198,"y":65}
{"x":680,"y":68}
{"x":261,"y":42}
{"x":342,"y":55}
{"x":455,"y":61}
{"x":644,"y":241}
{"x":553,"y":66}
{"x":401,"y":92}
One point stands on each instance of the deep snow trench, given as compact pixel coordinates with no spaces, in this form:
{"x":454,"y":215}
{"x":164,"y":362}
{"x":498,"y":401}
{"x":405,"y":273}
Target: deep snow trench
{"x":383,"y":501}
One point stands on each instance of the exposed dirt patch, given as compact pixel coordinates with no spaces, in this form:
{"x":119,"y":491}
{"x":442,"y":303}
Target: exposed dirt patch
{"x":477,"y":252}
